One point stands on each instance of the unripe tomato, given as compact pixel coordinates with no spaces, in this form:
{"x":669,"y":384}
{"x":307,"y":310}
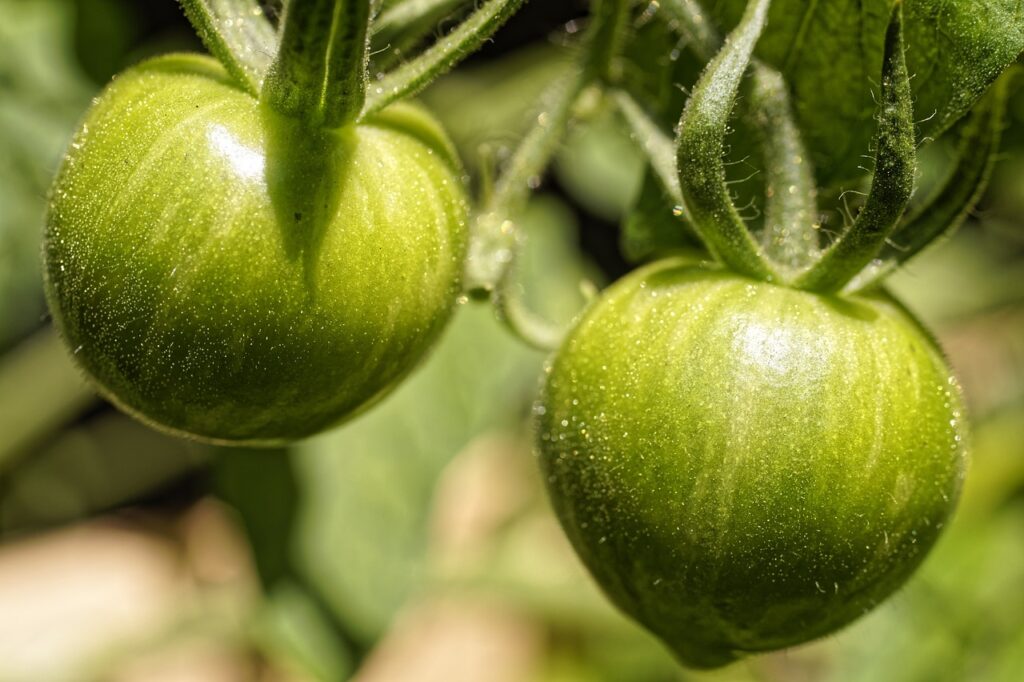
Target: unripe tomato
{"x":223,"y":273}
{"x":743,"y":466}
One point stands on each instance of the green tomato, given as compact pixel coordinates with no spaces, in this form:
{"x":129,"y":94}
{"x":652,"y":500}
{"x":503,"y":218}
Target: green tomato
{"x":222,"y":273}
{"x":743,"y":466}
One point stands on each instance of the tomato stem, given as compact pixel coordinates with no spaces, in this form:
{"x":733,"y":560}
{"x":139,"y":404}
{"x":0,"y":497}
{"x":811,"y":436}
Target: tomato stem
{"x":604,"y":43}
{"x":949,"y":207}
{"x":700,"y":152}
{"x":319,"y":74}
{"x":238,"y":34}
{"x":893,"y":181}
{"x":492,"y":248}
{"x":497,"y":241}
{"x":448,"y":51}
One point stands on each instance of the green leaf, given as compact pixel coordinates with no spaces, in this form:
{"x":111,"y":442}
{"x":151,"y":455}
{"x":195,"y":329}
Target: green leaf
{"x":40,"y":391}
{"x":830,"y":52}
{"x":494,"y":103}
{"x":367,"y":488}
{"x":97,"y":465}
{"x":600,"y":166}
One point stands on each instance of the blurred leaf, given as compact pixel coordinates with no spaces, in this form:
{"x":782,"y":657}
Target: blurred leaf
{"x":651,"y":229}
{"x":367,"y":486}
{"x":831,"y":54}
{"x":492,"y":104}
{"x":105,"y":462}
{"x":41,"y":95}
{"x":40,"y":391}
{"x":297,"y":633}
{"x":600,"y":165}
{"x":965,"y":275}
{"x":550,"y":228}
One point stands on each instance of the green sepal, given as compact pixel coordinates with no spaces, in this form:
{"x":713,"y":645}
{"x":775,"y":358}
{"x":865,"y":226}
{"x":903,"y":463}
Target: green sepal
{"x":893,"y":180}
{"x":790,"y":207}
{"x":701,"y":149}
{"x":238,"y":34}
{"x":413,"y":76}
{"x":948,"y":208}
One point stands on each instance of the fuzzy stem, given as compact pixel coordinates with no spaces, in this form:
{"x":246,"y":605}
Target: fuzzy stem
{"x":237,"y":34}
{"x":700,"y":152}
{"x":609,"y":20}
{"x":319,"y":74}
{"x":660,"y":149}
{"x":493,"y":245}
{"x":413,"y":76}
{"x":893,"y":181}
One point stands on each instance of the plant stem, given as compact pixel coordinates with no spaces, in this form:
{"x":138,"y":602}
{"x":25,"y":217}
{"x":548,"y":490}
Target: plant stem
{"x":493,"y":246}
{"x":892,"y":183}
{"x":496,"y":240}
{"x":319,"y":75}
{"x":700,"y":152}
{"x":237,"y":34}
{"x":604,"y":44}
{"x":660,"y":149}
{"x":415,"y":75}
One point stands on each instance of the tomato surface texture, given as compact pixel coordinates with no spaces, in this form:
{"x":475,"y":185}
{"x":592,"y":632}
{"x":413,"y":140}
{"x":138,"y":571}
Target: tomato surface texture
{"x":743,"y":466}
{"x":223,"y":273}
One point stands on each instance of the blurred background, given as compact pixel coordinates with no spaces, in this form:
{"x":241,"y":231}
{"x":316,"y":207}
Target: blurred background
{"x":416,"y":543}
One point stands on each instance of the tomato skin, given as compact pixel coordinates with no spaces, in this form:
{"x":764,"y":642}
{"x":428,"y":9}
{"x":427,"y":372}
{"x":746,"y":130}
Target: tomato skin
{"x":744,"y":467}
{"x":223,"y":275}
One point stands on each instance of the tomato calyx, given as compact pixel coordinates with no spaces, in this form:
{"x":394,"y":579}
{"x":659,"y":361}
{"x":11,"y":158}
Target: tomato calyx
{"x":791,"y":249}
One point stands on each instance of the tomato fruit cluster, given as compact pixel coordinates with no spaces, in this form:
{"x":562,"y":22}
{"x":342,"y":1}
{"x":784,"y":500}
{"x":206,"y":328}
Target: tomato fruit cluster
{"x":224,"y":273}
{"x":744,"y":466}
